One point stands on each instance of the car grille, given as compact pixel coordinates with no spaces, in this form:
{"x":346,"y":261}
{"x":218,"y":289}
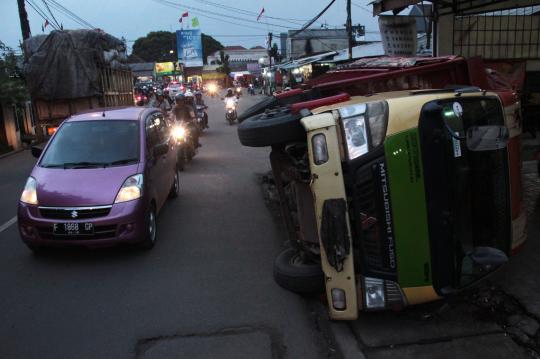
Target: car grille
{"x":100,"y":232}
{"x":74,"y":213}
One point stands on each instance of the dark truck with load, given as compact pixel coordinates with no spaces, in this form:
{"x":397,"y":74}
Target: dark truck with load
{"x":394,"y":198}
{"x":72,"y":71}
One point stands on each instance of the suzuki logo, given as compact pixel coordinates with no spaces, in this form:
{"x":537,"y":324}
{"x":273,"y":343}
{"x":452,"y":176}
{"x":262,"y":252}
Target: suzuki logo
{"x":74,"y":214}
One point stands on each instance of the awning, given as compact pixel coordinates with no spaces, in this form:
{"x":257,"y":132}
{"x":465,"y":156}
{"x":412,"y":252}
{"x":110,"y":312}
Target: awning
{"x":306,"y":60}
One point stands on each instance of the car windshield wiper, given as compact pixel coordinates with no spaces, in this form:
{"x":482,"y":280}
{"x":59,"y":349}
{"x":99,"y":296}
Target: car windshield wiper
{"x":84,"y":164}
{"x":53,"y":165}
{"x":122,"y":162}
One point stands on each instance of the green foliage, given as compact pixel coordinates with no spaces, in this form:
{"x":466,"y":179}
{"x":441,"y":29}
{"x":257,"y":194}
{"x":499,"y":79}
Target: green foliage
{"x":210,"y":45}
{"x":224,"y":61}
{"x":274,"y":53}
{"x":157,"y":46}
{"x":12,"y":86}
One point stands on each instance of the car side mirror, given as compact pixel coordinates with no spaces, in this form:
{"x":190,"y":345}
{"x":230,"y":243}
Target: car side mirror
{"x":487,"y":138}
{"x":161,"y":149}
{"x":488,"y":258}
{"x":36,"y":151}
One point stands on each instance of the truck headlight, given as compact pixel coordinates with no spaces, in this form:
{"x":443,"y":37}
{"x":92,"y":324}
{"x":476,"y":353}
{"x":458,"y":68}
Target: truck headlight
{"x":320,"y":149}
{"x":29,"y":194}
{"x":374,"y":297}
{"x":131,"y":189}
{"x":364,"y":126}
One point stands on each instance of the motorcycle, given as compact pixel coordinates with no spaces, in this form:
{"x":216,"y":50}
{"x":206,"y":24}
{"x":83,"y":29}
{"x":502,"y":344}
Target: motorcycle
{"x":230,"y":110}
{"x":238,"y":91}
{"x":202,"y":118}
{"x":212,"y":90}
{"x":184,"y":135}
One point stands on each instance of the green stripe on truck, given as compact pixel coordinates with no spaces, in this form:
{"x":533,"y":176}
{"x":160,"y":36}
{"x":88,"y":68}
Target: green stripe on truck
{"x":407,"y":194}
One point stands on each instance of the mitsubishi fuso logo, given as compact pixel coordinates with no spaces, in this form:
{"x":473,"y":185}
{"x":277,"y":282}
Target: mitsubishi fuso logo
{"x":74,"y":214}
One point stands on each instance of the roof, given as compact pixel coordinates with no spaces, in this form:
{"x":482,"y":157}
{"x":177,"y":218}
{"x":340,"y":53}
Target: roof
{"x":235,"y":47}
{"x":373,"y":49}
{"x":111,"y":113}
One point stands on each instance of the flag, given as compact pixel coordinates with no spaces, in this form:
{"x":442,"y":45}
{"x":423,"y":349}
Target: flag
{"x":44,"y":26}
{"x":195,"y":22}
{"x":260,"y":14}
{"x":186,"y":14}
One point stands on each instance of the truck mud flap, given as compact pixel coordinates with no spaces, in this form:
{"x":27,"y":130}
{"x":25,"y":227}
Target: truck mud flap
{"x":334,"y":233}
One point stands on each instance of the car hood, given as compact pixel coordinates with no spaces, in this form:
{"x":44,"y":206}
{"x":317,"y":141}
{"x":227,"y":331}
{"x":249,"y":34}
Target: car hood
{"x":80,"y":187}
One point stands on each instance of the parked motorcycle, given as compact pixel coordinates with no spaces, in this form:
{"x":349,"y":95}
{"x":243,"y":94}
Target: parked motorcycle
{"x":230,"y":110}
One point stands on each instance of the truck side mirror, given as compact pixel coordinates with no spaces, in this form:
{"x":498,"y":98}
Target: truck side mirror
{"x":488,"y":258}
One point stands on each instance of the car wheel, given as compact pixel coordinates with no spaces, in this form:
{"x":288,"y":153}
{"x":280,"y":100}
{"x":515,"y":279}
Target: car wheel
{"x":271,"y":128}
{"x":175,"y":188}
{"x":150,"y":234}
{"x":291,"y":272}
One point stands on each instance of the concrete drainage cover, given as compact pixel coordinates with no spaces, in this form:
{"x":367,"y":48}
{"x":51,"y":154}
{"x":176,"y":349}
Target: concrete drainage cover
{"x":238,"y":344}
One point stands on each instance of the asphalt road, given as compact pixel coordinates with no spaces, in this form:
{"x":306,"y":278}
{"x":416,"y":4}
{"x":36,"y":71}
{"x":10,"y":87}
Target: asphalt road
{"x":205,"y":290}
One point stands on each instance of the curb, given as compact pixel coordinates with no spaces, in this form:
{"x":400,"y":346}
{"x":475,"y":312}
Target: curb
{"x":11,"y":153}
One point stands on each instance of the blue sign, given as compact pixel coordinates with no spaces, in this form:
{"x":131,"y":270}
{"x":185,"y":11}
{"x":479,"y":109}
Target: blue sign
{"x":189,"y":44}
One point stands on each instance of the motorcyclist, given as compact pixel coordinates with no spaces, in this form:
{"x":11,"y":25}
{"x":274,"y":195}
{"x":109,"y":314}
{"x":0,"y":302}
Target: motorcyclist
{"x":152,"y":99}
{"x":200,"y":102}
{"x":230,"y":93}
{"x":162,"y":103}
{"x":183,"y":112}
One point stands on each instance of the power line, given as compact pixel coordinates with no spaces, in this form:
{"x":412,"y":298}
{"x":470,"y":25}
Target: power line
{"x":362,"y":7}
{"x":70,"y":14}
{"x":50,"y":12}
{"x":40,"y":12}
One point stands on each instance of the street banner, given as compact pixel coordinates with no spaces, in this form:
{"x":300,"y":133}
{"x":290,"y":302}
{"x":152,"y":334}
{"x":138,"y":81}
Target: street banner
{"x":189,"y":46}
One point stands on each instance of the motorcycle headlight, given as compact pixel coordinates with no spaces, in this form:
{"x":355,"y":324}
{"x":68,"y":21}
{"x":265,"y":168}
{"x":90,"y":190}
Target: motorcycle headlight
{"x":179,"y":132}
{"x":364,"y":126}
{"x":29,"y":194}
{"x":374,"y":297}
{"x":131,"y":189}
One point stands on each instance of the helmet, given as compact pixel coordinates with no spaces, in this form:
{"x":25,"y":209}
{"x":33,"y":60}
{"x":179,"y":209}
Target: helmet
{"x":179,"y":96}
{"x":198,"y":93}
{"x":159,"y":93}
{"x":229,"y":91}
{"x":188,"y":93}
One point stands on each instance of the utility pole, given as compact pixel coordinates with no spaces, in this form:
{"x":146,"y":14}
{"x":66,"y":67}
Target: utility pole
{"x":23,"y":16}
{"x":349,"y":28}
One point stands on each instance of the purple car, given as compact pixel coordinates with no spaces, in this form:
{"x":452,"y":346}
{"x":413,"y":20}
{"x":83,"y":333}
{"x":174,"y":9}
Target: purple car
{"x":100,"y":181}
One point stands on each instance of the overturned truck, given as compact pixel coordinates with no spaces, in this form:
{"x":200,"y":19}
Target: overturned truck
{"x":398,"y":186}
{"x":71,"y":71}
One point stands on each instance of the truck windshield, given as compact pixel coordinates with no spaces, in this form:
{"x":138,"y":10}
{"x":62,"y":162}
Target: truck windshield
{"x":467,"y":192}
{"x":86,"y":144}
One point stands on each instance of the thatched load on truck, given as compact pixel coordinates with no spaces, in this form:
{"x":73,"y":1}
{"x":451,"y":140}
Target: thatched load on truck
{"x":76,"y":70}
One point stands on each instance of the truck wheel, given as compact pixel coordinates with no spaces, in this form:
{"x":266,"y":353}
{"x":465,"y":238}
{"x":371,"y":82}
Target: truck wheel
{"x":258,"y":108}
{"x":271,"y":128}
{"x":293,"y":274}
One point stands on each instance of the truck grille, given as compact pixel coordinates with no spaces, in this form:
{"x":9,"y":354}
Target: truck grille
{"x":74,"y":212}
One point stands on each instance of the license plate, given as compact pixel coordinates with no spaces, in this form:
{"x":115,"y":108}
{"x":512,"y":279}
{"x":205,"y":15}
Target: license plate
{"x":70,"y":229}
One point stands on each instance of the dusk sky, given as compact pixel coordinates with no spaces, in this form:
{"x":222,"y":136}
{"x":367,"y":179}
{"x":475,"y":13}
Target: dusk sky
{"x":135,"y":18}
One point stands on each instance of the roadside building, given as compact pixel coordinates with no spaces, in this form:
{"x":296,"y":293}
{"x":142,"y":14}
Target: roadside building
{"x":142,"y":71}
{"x":239,"y":56}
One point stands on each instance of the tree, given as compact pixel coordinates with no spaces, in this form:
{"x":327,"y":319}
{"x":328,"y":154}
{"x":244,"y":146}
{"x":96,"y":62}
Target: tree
{"x":156,"y":46}
{"x":274,"y":53}
{"x":210,"y":45}
{"x":12,"y":86}
{"x":225,"y":67}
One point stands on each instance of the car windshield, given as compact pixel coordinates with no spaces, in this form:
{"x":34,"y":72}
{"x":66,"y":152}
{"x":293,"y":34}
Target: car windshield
{"x":86,"y":144}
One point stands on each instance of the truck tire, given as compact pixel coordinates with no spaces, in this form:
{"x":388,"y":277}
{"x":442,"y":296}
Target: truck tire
{"x":271,"y":128}
{"x":258,"y":108}
{"x":298,"y":277}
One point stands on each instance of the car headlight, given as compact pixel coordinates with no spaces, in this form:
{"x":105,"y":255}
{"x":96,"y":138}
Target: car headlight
{"x":131,"y":189}
{"x":179,"y":132}
{"x":29,"y":194}
{"x":364,"y":126}
{"x":374,"y":297}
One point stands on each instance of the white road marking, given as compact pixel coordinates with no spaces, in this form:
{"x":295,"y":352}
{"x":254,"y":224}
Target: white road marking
{"x":6,"y":225}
